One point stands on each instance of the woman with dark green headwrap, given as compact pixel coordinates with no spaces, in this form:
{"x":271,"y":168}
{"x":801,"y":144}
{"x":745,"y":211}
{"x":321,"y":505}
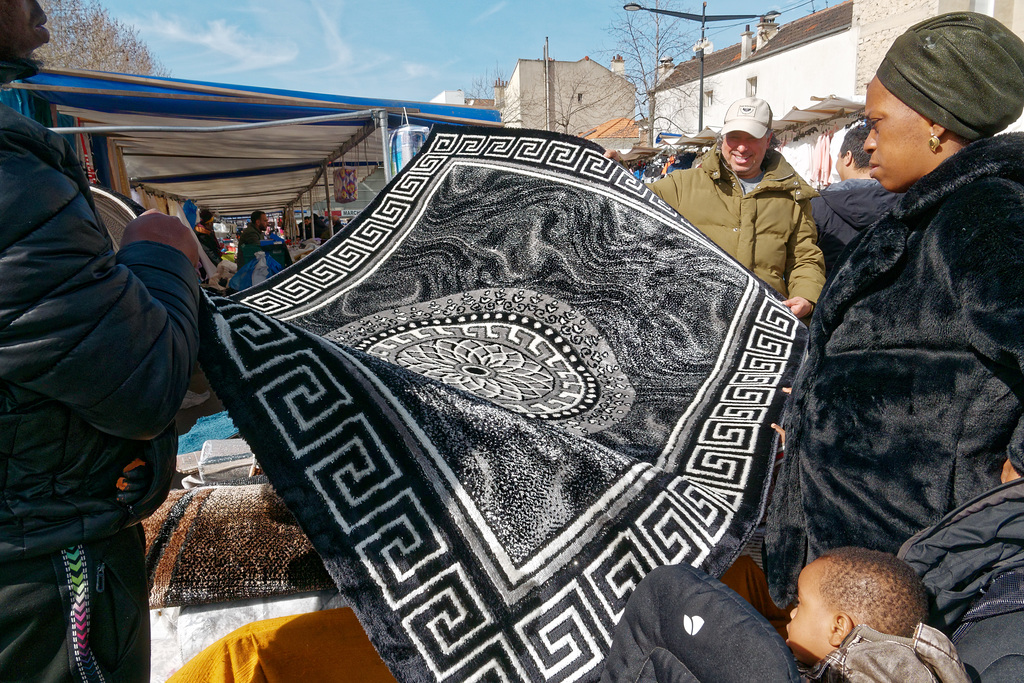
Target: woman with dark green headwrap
{"x":911,"y":398}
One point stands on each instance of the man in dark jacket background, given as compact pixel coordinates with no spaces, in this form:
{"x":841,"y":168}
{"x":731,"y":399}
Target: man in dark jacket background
{"x":97,"y":351}
{"x":854,"y":203}
{"x":255,"y":232}
{"x":207,"y":236}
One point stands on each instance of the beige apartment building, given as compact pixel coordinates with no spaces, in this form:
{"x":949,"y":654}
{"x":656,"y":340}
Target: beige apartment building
{"x":566,"y":97}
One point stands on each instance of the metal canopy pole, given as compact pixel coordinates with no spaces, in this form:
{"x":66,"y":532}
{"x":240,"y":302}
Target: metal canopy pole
{"x":327,"y":194}
{"x":209,"y":129}
{"x":353,"y":142}
{"x":308,"y":211}
{"x":547,"y":87}
{"x":700,"y":88}
{"x":385,"y":144}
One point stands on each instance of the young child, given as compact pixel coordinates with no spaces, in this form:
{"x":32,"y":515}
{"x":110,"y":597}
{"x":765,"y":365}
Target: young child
{"x":858,"y":618}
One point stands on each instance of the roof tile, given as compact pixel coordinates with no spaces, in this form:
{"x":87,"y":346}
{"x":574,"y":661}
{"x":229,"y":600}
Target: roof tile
{"x":811,"y":27}
{"x":615,"y":128}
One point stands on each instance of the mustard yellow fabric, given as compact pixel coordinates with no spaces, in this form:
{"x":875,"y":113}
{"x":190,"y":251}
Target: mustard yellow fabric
{"x":321,"y":646}
{"x":747,"y":579}
{"x":769,"y":230}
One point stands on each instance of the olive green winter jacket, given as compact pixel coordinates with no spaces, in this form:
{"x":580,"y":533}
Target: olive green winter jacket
{"x":769,"y":230}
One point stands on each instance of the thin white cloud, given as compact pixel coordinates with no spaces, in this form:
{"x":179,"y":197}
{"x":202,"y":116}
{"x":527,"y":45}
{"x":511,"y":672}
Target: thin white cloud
{"x":224,"y":47}
{"x":336,"y":62}
{"x":313,"y":45}
{"x":336,"y":47}
{"x":339,"y":53}
{"x":416,"y":70}
{"x":493,"y":10}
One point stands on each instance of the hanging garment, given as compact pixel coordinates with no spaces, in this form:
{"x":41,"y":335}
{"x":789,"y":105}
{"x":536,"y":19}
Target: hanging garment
{"x":346,"y":188}
{"x":821,"y":167}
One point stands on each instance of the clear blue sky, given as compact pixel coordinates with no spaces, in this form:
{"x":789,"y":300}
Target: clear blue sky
{"x":402,"y":49}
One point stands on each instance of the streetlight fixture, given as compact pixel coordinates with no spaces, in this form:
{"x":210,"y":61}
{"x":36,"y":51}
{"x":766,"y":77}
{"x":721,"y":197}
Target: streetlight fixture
{"x":703,"y":18}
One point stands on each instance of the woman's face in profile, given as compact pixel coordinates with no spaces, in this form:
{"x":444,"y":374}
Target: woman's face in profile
{"x":898,"y":142}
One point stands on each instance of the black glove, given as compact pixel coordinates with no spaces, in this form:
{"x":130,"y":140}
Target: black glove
{"x":134,"y":482}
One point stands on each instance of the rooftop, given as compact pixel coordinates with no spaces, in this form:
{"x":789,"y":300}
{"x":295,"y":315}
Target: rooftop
{"x":615,"y":128}
{"x":803,"y":30}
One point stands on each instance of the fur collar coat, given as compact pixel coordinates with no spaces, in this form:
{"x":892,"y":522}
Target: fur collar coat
{"x":910,"y":398}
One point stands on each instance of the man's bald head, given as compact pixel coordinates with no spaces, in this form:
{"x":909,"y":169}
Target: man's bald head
{"x":22,"y":28}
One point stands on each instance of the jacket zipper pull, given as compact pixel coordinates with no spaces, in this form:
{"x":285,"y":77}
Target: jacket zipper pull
{"x":101,"y":578}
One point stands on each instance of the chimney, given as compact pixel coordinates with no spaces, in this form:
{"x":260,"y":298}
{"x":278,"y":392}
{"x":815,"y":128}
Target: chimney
{"x":499,"y":93}
{"x":665,"y":67}
{"x":618,"y":65}
{"x":746,"y":43}
{"x":766,"y":30}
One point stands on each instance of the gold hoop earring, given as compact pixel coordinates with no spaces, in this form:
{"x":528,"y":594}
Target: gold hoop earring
{"x":933,"y":143}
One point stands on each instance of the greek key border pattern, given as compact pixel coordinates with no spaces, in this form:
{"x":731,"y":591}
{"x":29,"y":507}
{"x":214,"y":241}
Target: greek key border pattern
{"x":407,"y":552}
{"x":373,"y":231}
{"x":726,"y":445}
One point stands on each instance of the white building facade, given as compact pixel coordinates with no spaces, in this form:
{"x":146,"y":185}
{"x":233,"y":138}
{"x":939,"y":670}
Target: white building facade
{"x":831,"y":52}
{"x":815,"y":55}
{"x":881,"y":22}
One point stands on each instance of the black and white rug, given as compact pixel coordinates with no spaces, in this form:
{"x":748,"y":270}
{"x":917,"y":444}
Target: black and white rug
{"x":515,"y":384}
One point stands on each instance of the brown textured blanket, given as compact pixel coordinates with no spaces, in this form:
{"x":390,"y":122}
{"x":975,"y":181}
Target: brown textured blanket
{"x":221,"y":543}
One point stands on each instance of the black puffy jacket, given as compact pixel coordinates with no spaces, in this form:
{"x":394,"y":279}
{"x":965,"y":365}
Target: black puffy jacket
{"x":972,"y":565}
{"x":96,"y":350}
{"x":844,"y":209}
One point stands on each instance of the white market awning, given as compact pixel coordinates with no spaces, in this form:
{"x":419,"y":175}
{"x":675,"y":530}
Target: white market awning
{"x":824,"y":108}
{"x":232,"y":170}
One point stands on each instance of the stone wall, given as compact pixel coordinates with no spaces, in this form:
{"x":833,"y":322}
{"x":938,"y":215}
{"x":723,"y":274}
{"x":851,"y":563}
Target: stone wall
{"x":880,"y":22}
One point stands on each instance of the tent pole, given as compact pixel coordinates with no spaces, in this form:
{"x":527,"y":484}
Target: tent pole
{"x":327,"y":194}
{"x":105,"y":130}
{"x":386,"y":143}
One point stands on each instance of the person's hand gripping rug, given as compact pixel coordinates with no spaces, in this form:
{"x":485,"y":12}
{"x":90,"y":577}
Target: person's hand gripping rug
{"x":514,"y":385}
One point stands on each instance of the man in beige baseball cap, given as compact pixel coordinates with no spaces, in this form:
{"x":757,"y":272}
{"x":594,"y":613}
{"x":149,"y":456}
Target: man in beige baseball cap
{"x":752,"y":204}
{"x":750,"y":115}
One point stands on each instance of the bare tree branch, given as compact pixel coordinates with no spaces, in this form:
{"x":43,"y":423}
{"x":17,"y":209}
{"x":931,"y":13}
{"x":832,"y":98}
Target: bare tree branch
{"x":482,"y":87}
{"x":643,"y":39}
{"x":83,"y":35}
{"x":578,"y":93}
{"x":579,"y":96}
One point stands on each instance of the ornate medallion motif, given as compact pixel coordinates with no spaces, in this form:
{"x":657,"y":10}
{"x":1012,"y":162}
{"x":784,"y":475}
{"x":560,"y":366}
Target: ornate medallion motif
{"x":518,"y":348}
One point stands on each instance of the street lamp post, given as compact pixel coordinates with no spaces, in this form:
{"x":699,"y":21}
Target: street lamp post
{"x":703,"y":18}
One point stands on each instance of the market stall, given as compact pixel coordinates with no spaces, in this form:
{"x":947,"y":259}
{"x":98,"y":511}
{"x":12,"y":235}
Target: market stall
{"x":230,"y":148}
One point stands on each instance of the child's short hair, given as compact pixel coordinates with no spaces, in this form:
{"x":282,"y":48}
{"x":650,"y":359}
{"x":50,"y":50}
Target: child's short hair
{"x":877,"y":588}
